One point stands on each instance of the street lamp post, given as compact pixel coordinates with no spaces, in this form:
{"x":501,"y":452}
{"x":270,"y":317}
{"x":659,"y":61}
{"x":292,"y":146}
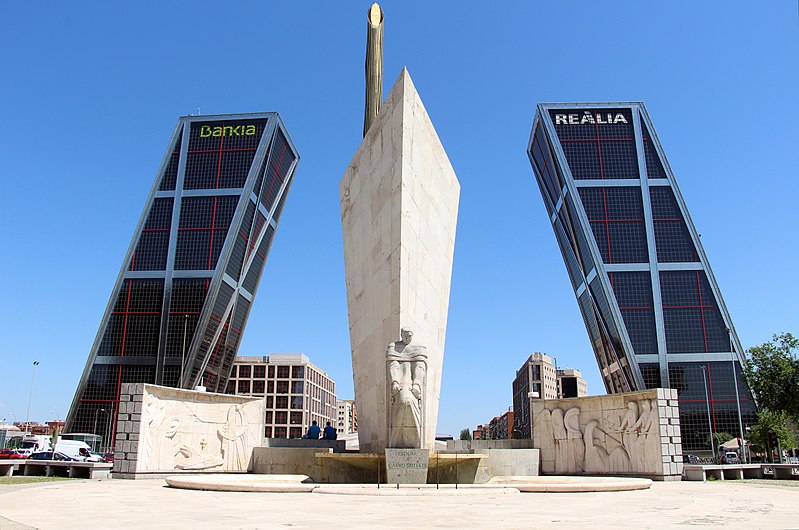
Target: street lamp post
{"x":183,"y":355}
{"x":709,"y":423}
{"x":96,"y":412}
{"x":109,"y":433}
{"x":748,"y":451}
{"x":737,"y":397}
{"x":30,"y":397}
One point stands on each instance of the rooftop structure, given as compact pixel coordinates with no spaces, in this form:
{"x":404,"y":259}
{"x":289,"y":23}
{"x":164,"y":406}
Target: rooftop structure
{"x":571,"y":383}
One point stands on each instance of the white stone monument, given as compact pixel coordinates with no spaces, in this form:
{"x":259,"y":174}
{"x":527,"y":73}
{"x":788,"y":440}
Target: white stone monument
{"x":636,"y":433}
{"x":399,"y":208}
{"x":169,"y":430}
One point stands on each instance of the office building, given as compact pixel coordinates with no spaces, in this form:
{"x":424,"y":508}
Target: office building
{"x":539,"y":376}
{"x":297,"y":392}
{"x":571,"y":383}
{"x":652,"y":307}
{"x":181,"y":301}
{"x":347,"y":419}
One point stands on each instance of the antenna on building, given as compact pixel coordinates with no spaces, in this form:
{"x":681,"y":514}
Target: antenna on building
{"x":198,"y":111}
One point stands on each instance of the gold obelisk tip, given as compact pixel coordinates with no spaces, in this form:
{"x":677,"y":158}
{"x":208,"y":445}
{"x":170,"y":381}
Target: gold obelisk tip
{"x":374,"y":65}
{"x":375,"y":15}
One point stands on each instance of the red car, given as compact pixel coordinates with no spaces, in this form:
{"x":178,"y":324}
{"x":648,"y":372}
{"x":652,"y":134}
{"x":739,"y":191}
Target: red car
{"x":10,"y":454}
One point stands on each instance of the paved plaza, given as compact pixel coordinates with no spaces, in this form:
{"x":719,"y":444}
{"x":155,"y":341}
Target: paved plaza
{"x":150,"y":503}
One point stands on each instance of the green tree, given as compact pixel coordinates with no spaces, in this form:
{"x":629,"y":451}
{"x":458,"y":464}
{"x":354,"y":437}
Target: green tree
{"x":720,"y":438}
{"x":771,"y":421}
{"x":466,"y":434}
{"x":772,"y":373}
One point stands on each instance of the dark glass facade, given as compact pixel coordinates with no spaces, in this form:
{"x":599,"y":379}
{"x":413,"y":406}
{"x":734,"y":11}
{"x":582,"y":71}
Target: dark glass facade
{"x":653,"y":311}
{"x":181,"y":302}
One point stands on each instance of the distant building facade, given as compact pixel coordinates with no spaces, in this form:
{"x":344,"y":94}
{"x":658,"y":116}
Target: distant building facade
{"x":479,"y":433}
{"x":501,"y":427}
{"x":297,"y":392}
{"x":347,"y":417}
{"x":33,"y":428}
{"x":537,"y":374}
{"x":651,"y":305}
{"x":183,"y":295}
{"x":571,"y":383}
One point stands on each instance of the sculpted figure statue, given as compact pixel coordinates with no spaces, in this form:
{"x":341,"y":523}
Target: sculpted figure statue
{"x":407,"y":368}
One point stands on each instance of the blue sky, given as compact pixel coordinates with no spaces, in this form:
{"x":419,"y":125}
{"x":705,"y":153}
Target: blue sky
{"x":91,"y":92}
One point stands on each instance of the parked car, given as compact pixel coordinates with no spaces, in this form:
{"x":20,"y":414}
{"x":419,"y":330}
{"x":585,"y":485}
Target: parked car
{"x":10,"y":454}
{"x":109,"y":457}
{"x":729,"y":457}
{"x":691,"y":459}
{"x":96,"y":457}
{"x":52,"y":455}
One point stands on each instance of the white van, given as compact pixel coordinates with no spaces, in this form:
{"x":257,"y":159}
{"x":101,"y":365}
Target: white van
{"x":73,"y":448}
{"x":34,"y":443}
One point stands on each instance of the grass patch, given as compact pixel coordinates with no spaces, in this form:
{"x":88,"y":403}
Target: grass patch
{"x":29,"y":480}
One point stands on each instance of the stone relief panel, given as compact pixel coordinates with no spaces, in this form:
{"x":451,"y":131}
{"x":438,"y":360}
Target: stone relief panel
{"x":619,"y":434}
{"x":187,"y":430}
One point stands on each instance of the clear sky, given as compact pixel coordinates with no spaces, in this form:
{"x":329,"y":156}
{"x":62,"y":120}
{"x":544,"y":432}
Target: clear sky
{"x":90,"y":94}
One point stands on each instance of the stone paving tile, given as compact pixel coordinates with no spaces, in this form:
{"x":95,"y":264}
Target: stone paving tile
{"x":123,"y":504}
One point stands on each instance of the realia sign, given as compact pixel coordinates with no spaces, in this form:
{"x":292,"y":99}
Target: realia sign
{"x":592,"y":118}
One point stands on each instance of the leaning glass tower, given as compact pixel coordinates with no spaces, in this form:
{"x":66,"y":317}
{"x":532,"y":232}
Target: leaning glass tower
{"x":182,"y":298}
{"x":653,"y":310}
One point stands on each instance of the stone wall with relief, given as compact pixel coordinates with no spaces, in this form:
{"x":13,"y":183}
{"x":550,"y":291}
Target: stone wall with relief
{"x":167,"y":430}
{"x":637,"y":433}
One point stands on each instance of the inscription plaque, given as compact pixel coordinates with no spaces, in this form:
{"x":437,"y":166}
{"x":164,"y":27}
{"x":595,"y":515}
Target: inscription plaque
{"x":406,"y":466}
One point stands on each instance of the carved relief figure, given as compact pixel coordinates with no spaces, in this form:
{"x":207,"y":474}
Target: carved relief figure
{"x":642,"y":426}
{"x":159,"y":446}
{"x":194,"y":459}
{"x":561,"y":442}
{"x":648,"y":437}
{"x":576,"y":446}
{"x":596,"y":455}
{"x":234,"y":439}
{"x":629,"y":436}
{"x":407,"y":369}
{"x":543,"y":439}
